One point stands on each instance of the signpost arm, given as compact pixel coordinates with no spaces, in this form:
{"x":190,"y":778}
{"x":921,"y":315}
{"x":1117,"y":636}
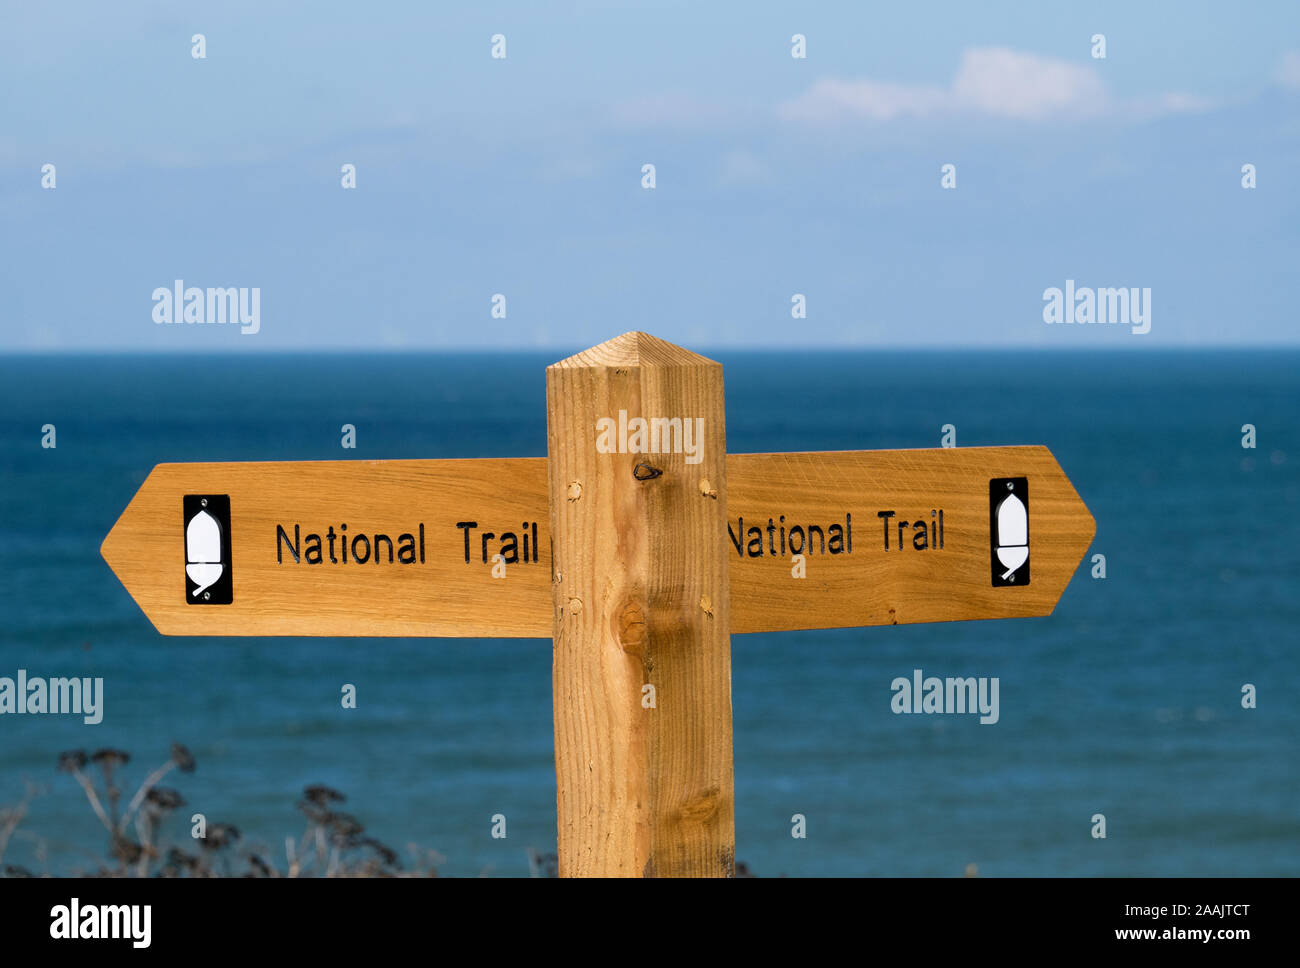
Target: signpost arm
{"x":642,"y":651}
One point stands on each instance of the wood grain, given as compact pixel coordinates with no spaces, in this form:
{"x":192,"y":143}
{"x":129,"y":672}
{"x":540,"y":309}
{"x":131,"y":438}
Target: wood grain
{"x":641,"y":598}
{"x":447,"y":597}
{"x":872,"y":586}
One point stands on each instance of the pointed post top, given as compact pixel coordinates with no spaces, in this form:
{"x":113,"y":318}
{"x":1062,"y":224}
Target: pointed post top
{"x":633,"y":349}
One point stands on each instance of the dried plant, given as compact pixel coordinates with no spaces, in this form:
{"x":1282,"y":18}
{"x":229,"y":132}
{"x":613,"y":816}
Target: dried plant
{"x":10,"y":818}
{"x":333,"y":843}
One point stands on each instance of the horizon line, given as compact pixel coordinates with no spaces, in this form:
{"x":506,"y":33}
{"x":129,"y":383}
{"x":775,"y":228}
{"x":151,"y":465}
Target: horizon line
{"x":230,"y":351}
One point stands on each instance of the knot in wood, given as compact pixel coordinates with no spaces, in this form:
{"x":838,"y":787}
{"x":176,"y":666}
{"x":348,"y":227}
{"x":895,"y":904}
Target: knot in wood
{"x":702,"y":807}
{"x":630,"y":628}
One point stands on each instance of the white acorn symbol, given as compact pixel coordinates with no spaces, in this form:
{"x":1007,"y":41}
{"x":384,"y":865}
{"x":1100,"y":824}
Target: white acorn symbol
{"x":203,"y":551}
{"x":1013,"y":534}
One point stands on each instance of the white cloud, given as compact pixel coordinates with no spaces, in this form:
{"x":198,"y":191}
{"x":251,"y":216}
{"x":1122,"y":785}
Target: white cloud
{"x":1162,"y":104}
{"x":1008,"y":84}
{"x":831,"y":100}
{"x":993,"y":82}
{"x":1288,"y":72}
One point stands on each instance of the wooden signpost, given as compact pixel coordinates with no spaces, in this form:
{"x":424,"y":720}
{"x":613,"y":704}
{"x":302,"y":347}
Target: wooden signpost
{"x":638,"y":545}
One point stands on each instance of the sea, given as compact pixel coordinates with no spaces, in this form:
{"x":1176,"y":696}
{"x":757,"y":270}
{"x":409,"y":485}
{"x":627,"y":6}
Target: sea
{"x":1163,"y":697}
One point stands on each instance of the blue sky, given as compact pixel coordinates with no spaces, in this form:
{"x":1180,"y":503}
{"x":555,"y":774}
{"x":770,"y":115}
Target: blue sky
{"x":522,"y":176}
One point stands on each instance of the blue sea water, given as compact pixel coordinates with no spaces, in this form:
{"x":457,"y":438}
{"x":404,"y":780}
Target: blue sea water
{"x":1125,"y":702}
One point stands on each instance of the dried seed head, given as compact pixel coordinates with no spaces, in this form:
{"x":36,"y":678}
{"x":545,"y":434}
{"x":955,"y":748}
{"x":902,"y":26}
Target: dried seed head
{"x":386,"y":854}
{"x":127,"y":851}
{"x":345,"y":825}
{"x":183,"y":758}
{"x":314,"y":812}
{"x":259,"y":866}
{"x":179,"y":859}
{"x":72,"y":760}
{"x":164,"y":799}
{"x":320,"y":794}
{"x":220,"y":835}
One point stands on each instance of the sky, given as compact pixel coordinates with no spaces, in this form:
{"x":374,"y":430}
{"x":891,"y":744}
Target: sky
{"x":523,"y":176}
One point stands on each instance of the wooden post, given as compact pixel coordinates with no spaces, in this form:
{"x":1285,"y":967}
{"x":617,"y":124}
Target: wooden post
{"x":642,"y":647}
